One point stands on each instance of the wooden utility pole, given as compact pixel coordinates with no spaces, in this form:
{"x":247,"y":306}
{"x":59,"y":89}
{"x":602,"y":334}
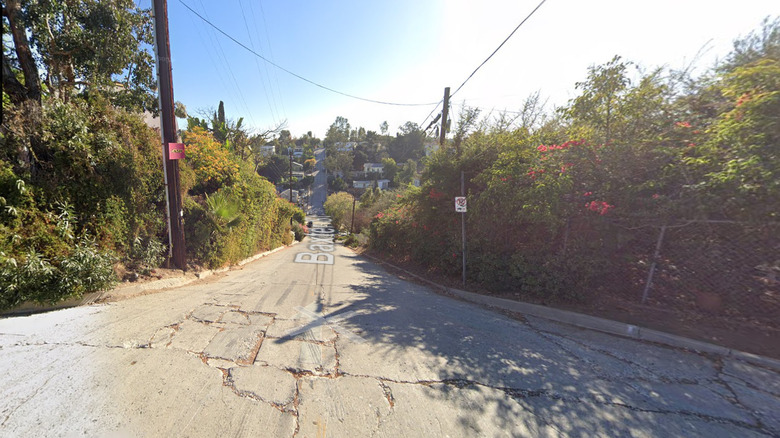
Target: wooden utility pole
{"x":444,"y":111}
{"x":442,"y":134}
{"x":176,"y":249}
{"x":290,"y":151}
{"x":352,"y":223}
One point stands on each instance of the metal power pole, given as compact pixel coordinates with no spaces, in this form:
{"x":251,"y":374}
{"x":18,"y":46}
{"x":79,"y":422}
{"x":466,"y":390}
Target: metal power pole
{"x":176,"y":249}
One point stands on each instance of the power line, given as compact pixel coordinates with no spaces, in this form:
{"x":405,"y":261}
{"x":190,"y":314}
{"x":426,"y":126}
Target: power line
{"x":429,"y":114}
{"x":497,"y":48}
{"x":230,"y":73}
{"x":295,"y":74}
{"x":257,"y":63}
{"x":271,"y":54}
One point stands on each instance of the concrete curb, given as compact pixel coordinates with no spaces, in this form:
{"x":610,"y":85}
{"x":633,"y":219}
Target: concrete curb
{"x":597,"y":324}
{"x":125,"y":291}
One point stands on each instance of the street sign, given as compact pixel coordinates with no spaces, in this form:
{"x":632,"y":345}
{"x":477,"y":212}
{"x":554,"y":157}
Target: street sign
{"x":460,"y":204}
{"x":175,"y":151}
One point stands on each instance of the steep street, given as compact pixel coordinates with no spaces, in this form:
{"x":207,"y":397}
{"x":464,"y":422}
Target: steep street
{"x":280,"y":348}
{"x":315,"y":341}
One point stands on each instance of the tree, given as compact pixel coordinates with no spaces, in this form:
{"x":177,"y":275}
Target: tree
{"x":338,"y":132}
{"x":274,"y":168}
{"x":408,"y":143}
{"x":383,"y":127}
{"x":739,"y":163}
{"x":390,"y":168}
{"x":93,"y":46}
{"x":339,"y":207}
{"x":601,"y":93}
{"x":31,"y":89}
{"x":339,"y":163}
{"x":407,"y":174}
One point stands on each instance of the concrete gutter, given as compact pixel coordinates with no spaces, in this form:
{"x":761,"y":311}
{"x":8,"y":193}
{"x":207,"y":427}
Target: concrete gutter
{"x":595,"y":323}
{"x":129,"y":290}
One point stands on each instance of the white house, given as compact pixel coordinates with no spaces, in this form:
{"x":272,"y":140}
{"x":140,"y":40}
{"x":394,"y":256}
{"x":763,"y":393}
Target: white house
{"x":362,"y":184}
{"x":383,"y":184}
{"x":345,"y":147}
{"x":373,"y":168}
{"x":267,"y":150}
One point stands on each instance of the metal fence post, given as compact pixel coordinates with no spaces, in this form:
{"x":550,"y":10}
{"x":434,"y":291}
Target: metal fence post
{"x":650,"y":274}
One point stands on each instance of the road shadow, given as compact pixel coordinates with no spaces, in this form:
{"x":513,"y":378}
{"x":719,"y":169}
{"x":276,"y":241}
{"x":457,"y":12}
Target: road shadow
{"x":529,"y":380}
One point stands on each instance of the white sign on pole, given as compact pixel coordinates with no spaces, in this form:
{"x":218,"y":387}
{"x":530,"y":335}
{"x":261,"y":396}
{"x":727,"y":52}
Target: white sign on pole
{"x":460,"y":204}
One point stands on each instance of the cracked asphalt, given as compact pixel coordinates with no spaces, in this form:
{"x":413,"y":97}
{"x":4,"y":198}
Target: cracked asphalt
{"x":285,"y":349}
{"x":288,"y":349}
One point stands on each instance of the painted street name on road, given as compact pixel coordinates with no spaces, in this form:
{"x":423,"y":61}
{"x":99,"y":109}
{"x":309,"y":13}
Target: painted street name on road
{"x":321,"y":241}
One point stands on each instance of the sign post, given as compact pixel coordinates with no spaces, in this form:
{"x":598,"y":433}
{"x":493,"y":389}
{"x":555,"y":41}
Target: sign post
{"x":460,"y":207}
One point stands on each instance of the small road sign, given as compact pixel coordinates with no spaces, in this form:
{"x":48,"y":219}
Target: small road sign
{"x":460,"y":204}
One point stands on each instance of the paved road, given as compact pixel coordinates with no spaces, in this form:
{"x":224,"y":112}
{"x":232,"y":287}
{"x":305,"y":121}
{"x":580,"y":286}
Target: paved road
{"x":315,"y":341}
{"x":319,"y":187}
{"x":281,"y":348}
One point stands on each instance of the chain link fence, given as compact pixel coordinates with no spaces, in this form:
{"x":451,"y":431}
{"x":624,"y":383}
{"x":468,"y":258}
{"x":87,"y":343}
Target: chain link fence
{"x":691,"y":277}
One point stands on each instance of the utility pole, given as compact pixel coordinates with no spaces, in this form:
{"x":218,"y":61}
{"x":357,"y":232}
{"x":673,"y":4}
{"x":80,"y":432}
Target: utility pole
{"x":444,"y":111}
{"x":176,"y":249}
{"x":289,"y":150}
{"x":443,"y":133}
{"x":352,"y":224}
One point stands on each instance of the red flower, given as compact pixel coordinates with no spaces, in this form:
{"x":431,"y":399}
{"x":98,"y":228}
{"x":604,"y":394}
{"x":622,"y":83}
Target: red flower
{"x":542,"y":148}
{"x":587,"y":193}
{"x":656,"y":196}
{"x":683,"y":124}
{"x":600,"y":207}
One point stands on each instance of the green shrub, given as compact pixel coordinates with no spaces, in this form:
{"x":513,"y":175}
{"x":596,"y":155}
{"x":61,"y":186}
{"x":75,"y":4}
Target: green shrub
{"x":351,"y":241}
{"x":33,"y":277}
{"x":299,"y":230}
{"x":149,"y":253}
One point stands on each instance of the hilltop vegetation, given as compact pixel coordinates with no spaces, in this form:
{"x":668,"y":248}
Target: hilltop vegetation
{"x":570,"y":204}
{"x":81,"y":184}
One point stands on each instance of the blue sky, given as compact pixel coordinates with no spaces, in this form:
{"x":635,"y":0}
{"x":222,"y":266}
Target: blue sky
{"x":407,"y":51}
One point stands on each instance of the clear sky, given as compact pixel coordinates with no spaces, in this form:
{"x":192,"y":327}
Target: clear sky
{"x":407,"y":51}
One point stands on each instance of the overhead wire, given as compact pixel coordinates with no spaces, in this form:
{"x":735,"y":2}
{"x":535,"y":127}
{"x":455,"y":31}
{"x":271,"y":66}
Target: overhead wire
{"x":257,"y":63}
{"x":499,"y":47}
{"x":271,"y":53}
{"x":482,"y":64}
{"x":380,"y":102}
{"x":230,"y":71}
{"x":277,"y":91}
